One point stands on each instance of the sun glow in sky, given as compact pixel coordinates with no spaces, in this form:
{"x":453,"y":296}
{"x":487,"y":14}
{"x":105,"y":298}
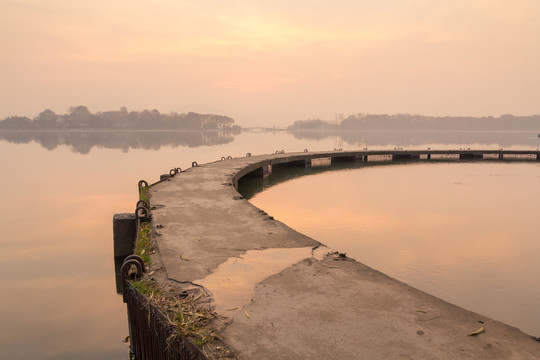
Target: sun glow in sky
{"x":271,"y":62}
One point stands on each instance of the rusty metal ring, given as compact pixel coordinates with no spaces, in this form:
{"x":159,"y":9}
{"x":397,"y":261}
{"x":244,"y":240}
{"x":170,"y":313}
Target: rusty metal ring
{"x":194,"y":164}
{"x":173,"y":172}
{"x":145,"y":214}
{"x":142,"y":184}
{"x":138,"y":258}
{"x":229,"y":157}
{"x":126,"y":266}
{"x":282,"y":152}
{"x":222,"y":158}
{"x":248,"y":154}
{"x":142,"y":203}
{"x":124,"y":272}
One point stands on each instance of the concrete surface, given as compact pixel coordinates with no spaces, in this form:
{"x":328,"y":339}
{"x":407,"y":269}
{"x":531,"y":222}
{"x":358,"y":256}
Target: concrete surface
{"x":321,"y":307}
{"x":124,"y":234}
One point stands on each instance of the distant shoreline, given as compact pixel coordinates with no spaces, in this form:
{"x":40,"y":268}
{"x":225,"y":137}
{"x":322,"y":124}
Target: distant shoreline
{"x":331,"y":131}
{"x":113,"y":130}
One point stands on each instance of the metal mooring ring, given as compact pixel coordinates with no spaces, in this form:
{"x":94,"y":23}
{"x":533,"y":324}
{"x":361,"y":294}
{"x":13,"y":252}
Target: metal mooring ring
{"x":194,"y":164}
{"x":172,"y":172}
{"x":124,"y":272}
{"x":142,"y":203}
{"x":282,"y":152}
{"x":142,"y":183}
{"x":248,"y":154}
{"x":138,"y":258}
{"x":222,"y":158}
{"x":144,"y":216}
{"x":229,"y":157}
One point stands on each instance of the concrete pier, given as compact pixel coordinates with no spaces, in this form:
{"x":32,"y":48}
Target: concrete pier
{"x":317,"y":304}
{"x":124,"y":233}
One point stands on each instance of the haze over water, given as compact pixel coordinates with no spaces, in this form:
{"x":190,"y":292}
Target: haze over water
{"x":266,"y":63}
{"x":262,"y":63}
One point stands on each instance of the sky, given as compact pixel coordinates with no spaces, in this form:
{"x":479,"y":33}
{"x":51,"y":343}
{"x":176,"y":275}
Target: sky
{"x":271,"y":62}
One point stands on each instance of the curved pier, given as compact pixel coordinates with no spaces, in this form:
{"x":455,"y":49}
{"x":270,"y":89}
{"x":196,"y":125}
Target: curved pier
{"x":296,"y":299}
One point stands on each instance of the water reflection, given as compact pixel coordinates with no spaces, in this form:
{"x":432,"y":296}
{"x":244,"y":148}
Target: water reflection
{"x":250,"y":186}
{"x":57,"y":294}
{"x":233,"y":283}
{"x":83,"y":141}
{"x":465,"y":232}
{"x":390,"y":139}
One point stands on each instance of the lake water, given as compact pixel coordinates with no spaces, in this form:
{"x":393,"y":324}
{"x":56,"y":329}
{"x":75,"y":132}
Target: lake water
{"x":465,"y":232}
{"x":58,"y":295}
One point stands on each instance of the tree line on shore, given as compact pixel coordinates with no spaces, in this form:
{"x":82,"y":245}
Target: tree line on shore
{"x":400,"y":122}
{"x":80,"y":118}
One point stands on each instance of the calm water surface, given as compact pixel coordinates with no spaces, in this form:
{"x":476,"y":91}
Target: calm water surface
{"x":57,"y":290}
{"x":465,"y":232}
{"x":59,"y":192}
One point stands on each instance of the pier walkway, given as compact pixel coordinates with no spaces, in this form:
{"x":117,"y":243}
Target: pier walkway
{"x":286,"y":296}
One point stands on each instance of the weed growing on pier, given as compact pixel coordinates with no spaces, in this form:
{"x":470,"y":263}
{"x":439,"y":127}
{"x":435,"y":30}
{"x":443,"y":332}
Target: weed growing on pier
{"x":191,"y":317}
{"x":187,"y":311}
{"x":145,"y":194}
{"x":146,"y":287}
{"x":143,"y":245}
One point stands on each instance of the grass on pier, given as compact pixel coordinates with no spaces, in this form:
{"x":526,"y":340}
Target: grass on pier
{"x":145,"y":194}
{"x":190,"y":314}
{"x":143,"y":245}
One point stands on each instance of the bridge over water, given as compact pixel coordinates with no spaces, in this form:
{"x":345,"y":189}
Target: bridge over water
{"x":285,"y":295}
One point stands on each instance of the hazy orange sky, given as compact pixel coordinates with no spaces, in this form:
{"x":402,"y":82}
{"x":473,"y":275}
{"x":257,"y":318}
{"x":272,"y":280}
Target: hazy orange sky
{"x":271,"y":62}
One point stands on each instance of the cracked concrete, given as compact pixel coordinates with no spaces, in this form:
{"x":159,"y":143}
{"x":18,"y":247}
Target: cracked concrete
{"x":314,"y":307}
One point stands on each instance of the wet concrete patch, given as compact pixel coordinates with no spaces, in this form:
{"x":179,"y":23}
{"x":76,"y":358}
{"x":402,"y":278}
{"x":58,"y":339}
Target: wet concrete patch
{"x":232,"y":283}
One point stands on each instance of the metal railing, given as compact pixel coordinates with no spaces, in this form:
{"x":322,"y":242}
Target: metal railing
{"x":152,"y":335}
